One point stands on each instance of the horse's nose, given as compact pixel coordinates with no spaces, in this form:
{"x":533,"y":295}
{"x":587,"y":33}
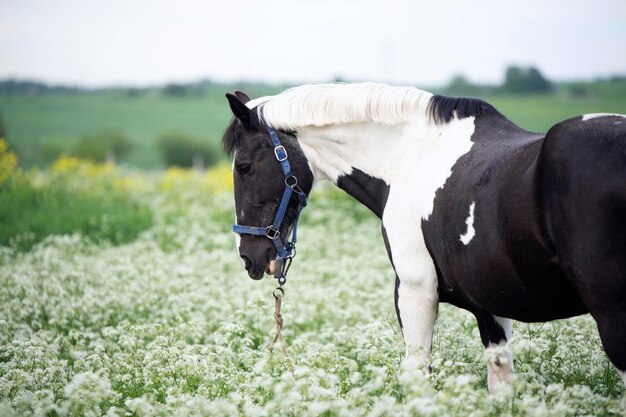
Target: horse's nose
{"x":254,"y":271}
{"x":247,"y":262}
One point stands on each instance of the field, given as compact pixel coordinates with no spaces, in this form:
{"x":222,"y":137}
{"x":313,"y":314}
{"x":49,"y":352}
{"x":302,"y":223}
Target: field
{"x":36,"y":122}
{"x":168,"y":323}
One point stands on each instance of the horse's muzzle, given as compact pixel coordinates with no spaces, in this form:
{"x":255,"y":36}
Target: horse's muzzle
{"x":254,"y":271}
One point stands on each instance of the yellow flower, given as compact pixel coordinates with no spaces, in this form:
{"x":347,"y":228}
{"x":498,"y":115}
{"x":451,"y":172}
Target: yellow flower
{"x":176,"y":177}
{"x":8,"y":161}
{"x":86,"y":169}
{"x":133,"y":181}
{"x":220,"y":178}
{"x":65,"y":164}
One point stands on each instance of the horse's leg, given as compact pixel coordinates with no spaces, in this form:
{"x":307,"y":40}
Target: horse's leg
{"x":495,"y":333}
{"x":595,"y":259}
{"x":604,"y":294}
{"x":612,"y":329}
{"x":415,"y":294}
{"x":598,"y":268}
{"x":591,"y":246}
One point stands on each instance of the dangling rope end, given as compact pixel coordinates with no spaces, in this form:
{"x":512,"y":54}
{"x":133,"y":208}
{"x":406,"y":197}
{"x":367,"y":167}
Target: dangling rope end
{"x":278,"y":294}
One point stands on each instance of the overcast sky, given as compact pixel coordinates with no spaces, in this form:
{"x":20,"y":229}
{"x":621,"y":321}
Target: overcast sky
{"x":142,"y":42}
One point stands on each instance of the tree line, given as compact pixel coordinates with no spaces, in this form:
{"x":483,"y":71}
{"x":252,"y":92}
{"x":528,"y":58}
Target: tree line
{"x":517,"y":80}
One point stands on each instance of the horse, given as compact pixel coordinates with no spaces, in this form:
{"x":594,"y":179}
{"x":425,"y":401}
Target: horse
{"x":475,"y":211}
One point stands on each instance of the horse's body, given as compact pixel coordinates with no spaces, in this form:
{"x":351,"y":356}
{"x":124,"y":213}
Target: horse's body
{"x":510,"y":253}
{"x":475,"y":211}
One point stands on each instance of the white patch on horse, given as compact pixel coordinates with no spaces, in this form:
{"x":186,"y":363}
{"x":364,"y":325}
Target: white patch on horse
{"x":499,"y":366}
{"x":414,"y":179}
{"x":422,"y":172}
{"x":237,"y":235}
{"x":333,"y":151}
{"x":469,"y":234}
{"x":500,"y":358}
{"x":596,"y":115}
{"x":238,"y":240}
{"x":507,"y":326}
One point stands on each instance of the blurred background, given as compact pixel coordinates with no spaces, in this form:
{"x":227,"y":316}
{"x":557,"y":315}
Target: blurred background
{"x":141,"y":83}
{"x":109,"y":108}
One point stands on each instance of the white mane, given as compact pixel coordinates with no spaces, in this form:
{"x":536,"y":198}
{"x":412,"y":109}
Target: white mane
{"x":328,"y":104}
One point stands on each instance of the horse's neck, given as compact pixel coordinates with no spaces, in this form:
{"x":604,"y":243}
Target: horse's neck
{"x":374,"y":149}
{"x":381,"y":151}
{"x":417,"y":153}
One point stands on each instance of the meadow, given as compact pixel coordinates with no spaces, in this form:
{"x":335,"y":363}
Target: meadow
{"x":59,"y":120}
{"x":165,"y":322}
{"x":39,"y":126}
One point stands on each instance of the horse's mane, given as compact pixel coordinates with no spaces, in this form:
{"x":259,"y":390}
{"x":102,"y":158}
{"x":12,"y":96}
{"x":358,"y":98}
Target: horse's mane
{"x":329,"y":104}
{"x":230,"y":140}
{"x":442,"y":109}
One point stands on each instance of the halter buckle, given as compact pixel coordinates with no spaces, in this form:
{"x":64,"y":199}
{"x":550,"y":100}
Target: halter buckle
{"x":281,"y":153}
{"x":271,"y":232}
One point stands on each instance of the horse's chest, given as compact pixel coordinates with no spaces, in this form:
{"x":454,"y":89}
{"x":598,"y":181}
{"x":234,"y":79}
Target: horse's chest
{"x":411,"y":200}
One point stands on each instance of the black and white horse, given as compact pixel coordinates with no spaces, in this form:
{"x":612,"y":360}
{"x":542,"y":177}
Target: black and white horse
{"x":476,"y":212}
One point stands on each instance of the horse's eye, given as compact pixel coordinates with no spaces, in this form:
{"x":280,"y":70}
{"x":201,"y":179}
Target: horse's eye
{"x":243,"y":168}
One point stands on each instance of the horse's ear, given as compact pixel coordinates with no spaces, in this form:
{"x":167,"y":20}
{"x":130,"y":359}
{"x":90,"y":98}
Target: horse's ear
{"x":242,"y":96}
{"x":241,"y":112}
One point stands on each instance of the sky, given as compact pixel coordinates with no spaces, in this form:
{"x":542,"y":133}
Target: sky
{"x":145,"y":42}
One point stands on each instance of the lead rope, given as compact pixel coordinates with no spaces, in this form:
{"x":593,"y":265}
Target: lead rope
{"x":278,"y":298}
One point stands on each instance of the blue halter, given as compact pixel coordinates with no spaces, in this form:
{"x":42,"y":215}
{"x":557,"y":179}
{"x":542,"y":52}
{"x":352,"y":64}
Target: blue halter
{"x":272,"y":232}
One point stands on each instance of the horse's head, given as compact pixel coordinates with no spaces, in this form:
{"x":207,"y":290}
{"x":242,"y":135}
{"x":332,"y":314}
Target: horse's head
{"x":260,"y":185}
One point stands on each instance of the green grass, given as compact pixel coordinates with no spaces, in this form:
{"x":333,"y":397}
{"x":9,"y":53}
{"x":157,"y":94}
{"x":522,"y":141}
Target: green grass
{"x":33,"y":121}
{"x":540,"y":112}
{"x":29,"y":213}
{"x":36,"y":124}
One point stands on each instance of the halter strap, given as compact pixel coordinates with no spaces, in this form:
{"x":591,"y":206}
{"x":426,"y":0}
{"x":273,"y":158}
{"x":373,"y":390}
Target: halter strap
{"x":272,"y":232}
